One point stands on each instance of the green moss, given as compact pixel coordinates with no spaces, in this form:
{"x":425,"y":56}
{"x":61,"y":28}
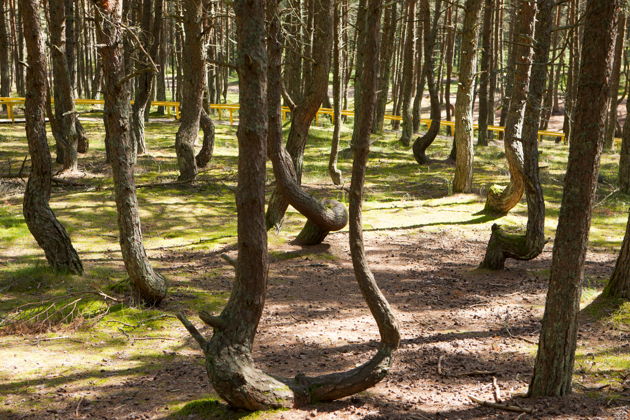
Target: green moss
{"x":211,"y":408}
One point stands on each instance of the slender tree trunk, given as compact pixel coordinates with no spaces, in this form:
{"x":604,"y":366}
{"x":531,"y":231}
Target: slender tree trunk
{"x":553,"y":369}
{"x":335,"y":173}
{"x":462,"y":182}
{"x":611,"y":126}
{"x":40,"y":219}
{"x":305,"y":111}
{"x":502,"y":244}
{"x":65,"y":117}
{"x":407,"y":81}
{"x":150,"y":36}
{"x":624,"y":156}
{"x":207,"y":148}
{"x":422,"y":143}
{"x":485,"y":71}
{"x":619,"y":284}
{"x":501,"y":200}
{"x":148,"y":286}
{"x":5,"y":65}
{"x":193,"y":87}
{"x":228,"y":353}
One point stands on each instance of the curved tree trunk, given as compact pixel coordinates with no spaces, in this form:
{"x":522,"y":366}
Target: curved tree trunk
{"x":407,"y":77}
{"x":65,"y":124}
{"x":148,"y":286}
{"x":553,"y":369}
{"x":502,"y":244}
{"x":462,"y":182}
{"x":193,"y":88}
{"x":305,"y":111}
{"x":619,"y":284}
{"x":228,"y":353}
{"x":422,"y":143}
{"x":50,"y":235}
{"x":611,"y":126}
{"x":150,"y":36}
{"x":501,"y":200}
{"x":335,"y":173}
{"x":207,"y":148}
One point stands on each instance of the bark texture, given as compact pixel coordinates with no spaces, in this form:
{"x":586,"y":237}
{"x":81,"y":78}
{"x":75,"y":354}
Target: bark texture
{"x":333,"y":171}
{"x":553,"y":369}
{"x":486,"y":65}
{"x":619,"y":284}
{"x":147,"y":285}
{"x":502,"y":244}
{"x":193,"y":88}
{"x":407,"y":76}
{"x":462,"y":182}
{"x":50,"y":235}
{"x":501,"y":200}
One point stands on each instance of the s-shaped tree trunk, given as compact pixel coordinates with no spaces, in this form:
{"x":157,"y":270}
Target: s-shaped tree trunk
{"x":193,"y":88}
{"x":148,"y":286}
{"x":50,"y":235}
{"x":462,"y":182}
{"x":303,"y":115}
{"x":422,"y":143}
{"x":501,"y":200}
{"x":228,"y":353}
{"x":553,"y":370}
{"x":503,"y":245}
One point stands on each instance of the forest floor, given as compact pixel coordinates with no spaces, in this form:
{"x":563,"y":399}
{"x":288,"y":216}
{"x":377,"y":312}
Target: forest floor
{"x":76,"y":347}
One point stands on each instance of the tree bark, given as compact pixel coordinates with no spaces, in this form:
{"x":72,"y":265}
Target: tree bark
{"x":50,"y":235}
{"x":5,"y":65}
{"x":305,"y":111}
{"x":486,"y":70}
{"x":462,"y":181}
{"x":421,"y":144}
{"x":207,"y":148}
{"x":502,"y":244}
{"x":624,"y":156}
{"x":553,"y":369}
{"x":387,"y":52}
{"x":611,"y":126}
{"x":65,"y":117}
{"x":228,"y":353}
{"x":619,"y":285}
{"x":193,"y":87}
{"x":335,"y":173}
{"x":407,"y":77}
{"x":501,"y":200}
{"x":147,"y":285}
{"x":150,"y":37}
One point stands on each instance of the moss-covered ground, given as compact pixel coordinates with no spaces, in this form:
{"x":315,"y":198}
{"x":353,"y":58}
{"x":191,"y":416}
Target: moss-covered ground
{"x":66,"y":341}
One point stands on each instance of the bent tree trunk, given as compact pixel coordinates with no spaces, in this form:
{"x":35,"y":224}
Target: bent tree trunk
{"x":228,"y":353}
{"x":193,"y":88}
{"x":333,"y":171}
{"x":553,"y":370}
{"x":502,"y":244}
{"x":147,"y":285}
{"x":462,"y":182}
{"x":501,"y":200}
{"x":484,"y":75}
{"x":65,"y":124}
{"x":407,"y":76}
{"x":422,"y":143}
{"x":150,"y":36}
{"x":207,"y":147}
{"x":50,"y":235}
{"x":305,"y":111}
{"x":619,"y":284}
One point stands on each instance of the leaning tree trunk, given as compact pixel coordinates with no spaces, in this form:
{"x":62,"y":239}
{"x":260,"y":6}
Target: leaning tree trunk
{"x":501,"y":200}
{"x":462,"y":182}
{"x":305,"y":111}
{"x":148,"y":286}
{"x":553,"y":370}
{"x":422,"y":143}
{"x":611,"y":126}
{"x":619,"y":284}
{"x":228,"y":353}
{"x":150,"y":36}
{"x":193,"y":88}
{"x":65,"y":124}
{"x":407,"y":78}
{"x":484,"y":75}
{"x":207,"y":147}
{"x":335,"y":173}
{"x":502,"y":244}
{"x":50,"y":235}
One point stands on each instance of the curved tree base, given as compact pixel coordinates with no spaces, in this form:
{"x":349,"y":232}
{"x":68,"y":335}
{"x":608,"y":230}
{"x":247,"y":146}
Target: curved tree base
{"x":421,"y":144}
{"x":314,"y":234}
{"x":504,"y":245}
{"x":83,"y":143}
{"x":150,"y":289}
{"x":205,"y":154}
{"x":501,"y":200}
{"x":274,"y":216}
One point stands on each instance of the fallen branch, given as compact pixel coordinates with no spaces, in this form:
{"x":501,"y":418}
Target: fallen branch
{"x":496,"y":390}
{"x":513,"y":408}
{"x":439,"y":365}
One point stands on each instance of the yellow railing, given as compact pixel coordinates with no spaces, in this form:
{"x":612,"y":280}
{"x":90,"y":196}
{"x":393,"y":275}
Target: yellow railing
{"x":10,"y":103}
